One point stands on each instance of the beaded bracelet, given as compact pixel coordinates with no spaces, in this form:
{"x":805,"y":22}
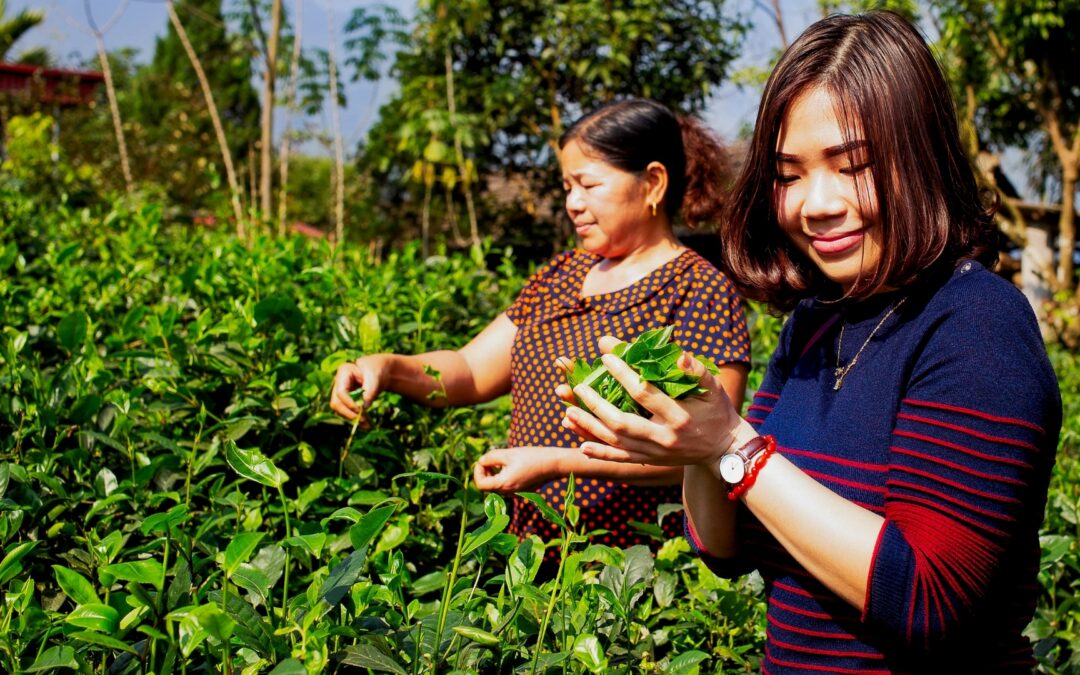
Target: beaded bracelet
{"x":751,"y":474}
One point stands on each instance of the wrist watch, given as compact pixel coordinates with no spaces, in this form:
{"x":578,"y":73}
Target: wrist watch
{"x":734,"y":466}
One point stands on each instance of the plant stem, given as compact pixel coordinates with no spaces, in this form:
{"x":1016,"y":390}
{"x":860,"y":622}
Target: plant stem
{"x":444,"y":608}
{"x":288,"y":534}
{"x":555,"y":587}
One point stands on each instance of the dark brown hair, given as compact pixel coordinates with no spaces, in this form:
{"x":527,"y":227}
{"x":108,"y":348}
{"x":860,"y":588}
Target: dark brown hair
{"x":631,"y":133}
{"x":887,"y":86}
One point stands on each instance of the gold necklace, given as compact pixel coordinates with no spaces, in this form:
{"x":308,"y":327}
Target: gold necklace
{"x":841,"y":371}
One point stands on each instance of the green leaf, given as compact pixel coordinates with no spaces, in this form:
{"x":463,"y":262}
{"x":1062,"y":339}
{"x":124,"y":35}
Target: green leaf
{"x":279,"y":310}
{"x":485,"y":533}
{"x":687,"y":663}
{"x":365,"y":531}
{"x":549,"y":513}
{"x":342,"y":578}
{"x":96,"y":617}
{"x":10,"y":567}
{"x":103,"y":641}
{"x":53,"y":659}
{"x":72,"y":330}
{"x":160,"y":523}
{"x":75,"y":586}
{"x":366,"y":655}
{"x":253,"y":465}
{"x":370,"y":333}
{"x":477,"y":635}
{"x":311,"y":543}
{"x":147,"y":571}
{"x":289,"y":667}
{"x":199,"y":623}
{"x":239,"y":550}
{"x":588,"y":652}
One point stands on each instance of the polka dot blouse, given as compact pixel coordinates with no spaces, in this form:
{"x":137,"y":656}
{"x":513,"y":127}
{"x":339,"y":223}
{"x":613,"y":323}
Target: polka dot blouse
{"x":553,"y":320}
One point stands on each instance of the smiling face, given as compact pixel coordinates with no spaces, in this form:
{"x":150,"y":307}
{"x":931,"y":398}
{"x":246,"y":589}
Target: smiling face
{"x":610,"y":207}
{"x":825,"y":190}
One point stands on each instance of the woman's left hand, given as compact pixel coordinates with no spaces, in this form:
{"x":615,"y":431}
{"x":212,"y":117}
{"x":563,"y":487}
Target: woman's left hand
{"x":697,"y":430}
{"x":510,"y":470}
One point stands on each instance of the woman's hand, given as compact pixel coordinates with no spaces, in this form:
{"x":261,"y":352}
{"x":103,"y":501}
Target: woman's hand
{"x":510,"y":470}
{"x":697,"y":430}
{"x":368,"y":373}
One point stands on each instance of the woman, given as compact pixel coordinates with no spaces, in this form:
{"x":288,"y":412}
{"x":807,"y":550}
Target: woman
{"x":629,"y":170}
{"x":890,"y":476}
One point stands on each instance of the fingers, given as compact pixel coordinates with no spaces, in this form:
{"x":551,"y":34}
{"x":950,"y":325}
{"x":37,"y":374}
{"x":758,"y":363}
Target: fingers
{"x":609,"y":453}
{"x":345,"y":380}
{"x":607,"y":344}
{"x":650,"y":398}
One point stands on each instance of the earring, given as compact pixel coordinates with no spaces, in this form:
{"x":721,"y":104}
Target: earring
{"x":653,"y":207}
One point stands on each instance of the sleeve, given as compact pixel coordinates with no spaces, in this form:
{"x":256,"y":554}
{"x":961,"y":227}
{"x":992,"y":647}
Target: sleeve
{"x":537,"y":288}
{"x":710,"y":321}
{"x":973,"y":444}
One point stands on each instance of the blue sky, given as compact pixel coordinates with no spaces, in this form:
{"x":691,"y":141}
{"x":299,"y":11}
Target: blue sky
{"x":140,"y":22}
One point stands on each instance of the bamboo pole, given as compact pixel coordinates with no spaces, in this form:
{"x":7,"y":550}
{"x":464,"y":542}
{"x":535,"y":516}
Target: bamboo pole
{"x":215,"y":119}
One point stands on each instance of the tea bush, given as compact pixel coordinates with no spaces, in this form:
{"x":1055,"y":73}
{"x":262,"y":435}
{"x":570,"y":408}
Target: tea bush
{"x":176,"y":496}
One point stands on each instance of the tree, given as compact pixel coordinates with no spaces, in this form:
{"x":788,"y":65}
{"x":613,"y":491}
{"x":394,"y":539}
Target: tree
{"x":14,"y":28}
{"x":520,"y":70}
{"x":171,"y":108}
{"x":1015,"y":61}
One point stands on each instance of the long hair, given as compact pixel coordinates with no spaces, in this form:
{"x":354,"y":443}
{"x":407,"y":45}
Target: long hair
{"x":888,"y":89}
{"x":629,"y":134}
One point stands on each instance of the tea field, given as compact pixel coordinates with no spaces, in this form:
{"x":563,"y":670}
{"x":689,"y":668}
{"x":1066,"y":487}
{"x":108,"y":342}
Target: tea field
{"x":176,"y":496}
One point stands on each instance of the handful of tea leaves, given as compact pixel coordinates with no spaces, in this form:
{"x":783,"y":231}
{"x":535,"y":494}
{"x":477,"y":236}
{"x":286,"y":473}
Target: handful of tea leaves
{"x":653,"y":358}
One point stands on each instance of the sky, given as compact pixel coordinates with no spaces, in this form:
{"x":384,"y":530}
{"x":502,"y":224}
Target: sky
{"x":138,"y":23}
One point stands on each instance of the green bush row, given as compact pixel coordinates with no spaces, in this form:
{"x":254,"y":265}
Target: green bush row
{"x":175,"y":494}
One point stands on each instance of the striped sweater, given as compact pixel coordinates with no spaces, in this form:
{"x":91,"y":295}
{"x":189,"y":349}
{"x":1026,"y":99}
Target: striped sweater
{"x":947,"y":427}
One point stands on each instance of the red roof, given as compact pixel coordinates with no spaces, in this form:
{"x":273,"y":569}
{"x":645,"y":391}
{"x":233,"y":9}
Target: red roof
{"x":52,"y":85}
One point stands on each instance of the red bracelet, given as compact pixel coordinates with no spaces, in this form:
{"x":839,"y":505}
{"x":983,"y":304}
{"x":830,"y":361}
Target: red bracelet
{"x":751,"y":474}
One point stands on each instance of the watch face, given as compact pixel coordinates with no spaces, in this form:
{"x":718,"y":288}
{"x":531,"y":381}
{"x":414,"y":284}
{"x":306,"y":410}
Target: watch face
{"x":732,"y":469}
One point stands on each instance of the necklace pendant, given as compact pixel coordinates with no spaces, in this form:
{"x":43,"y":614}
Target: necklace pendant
{"x":839,"y":374}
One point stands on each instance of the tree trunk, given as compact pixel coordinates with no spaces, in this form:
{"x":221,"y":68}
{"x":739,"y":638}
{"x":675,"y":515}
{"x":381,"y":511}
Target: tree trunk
{"x":267,"y":138}
{"x":294,"y":77}
{"x":1037,"y":271}
{"x":425,"y":220}
{"x":1067,"y":228}
{"x":339,"y":151}
{"x":219,"y":131}
{"x":114,"y":110}
{"x":459,"y":153}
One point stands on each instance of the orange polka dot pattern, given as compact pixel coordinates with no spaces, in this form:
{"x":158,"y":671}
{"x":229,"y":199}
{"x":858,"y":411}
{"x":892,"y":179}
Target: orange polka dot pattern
{"x":554,"y":320}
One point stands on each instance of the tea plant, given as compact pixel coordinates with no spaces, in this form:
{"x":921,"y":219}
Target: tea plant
{"x":176,"y":496}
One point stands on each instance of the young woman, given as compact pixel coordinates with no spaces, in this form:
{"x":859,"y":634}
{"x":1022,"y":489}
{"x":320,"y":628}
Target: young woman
{"x":890,"y":476}
{"x":629,"y":170}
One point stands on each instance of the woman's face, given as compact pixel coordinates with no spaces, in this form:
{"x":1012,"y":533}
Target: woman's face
{"x":608,"y":206}
{"x":825,"y":190}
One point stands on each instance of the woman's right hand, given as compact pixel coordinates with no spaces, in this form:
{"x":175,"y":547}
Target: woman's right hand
{"x":367,"y":373}
{"x":697,"y":430}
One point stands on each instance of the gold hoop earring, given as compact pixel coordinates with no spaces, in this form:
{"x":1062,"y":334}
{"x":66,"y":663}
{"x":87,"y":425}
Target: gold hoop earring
{"x":653,"y":207}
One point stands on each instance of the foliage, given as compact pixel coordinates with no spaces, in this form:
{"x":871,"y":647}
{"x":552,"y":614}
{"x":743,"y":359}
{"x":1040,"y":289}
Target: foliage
{"x":654,"y":358}
{"x":167,"y":104}
{"x":34,"y":164}
{"x":13,"y":28}
{"x":175,"y":494}
{"x":520,"y":72}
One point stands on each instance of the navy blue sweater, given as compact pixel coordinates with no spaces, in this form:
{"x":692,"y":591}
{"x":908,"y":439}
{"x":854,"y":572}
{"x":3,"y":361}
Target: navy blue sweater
{"x":947,"y":427}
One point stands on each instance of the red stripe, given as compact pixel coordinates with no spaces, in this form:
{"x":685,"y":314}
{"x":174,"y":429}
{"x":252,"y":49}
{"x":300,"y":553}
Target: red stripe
{"x":975,"y":413}
{"x":952,"y":500}
{"x":969,"y":431}
{"x":759,"y":407}
{"x":823,"y":652}
{"x":934,"y":459}
{"x":866,"y":466}
{"x":817,"y":334}
{"x":842,"y":635}
{"x":937,"y":507}
{"x":993,"y":496}
{"x":783,"y":585}
{"x":773,"y":602}
{"x":963,"y":449}
{"x":766,"y":394}
{"x":826,"y":478}
{"x":828,"y":669}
